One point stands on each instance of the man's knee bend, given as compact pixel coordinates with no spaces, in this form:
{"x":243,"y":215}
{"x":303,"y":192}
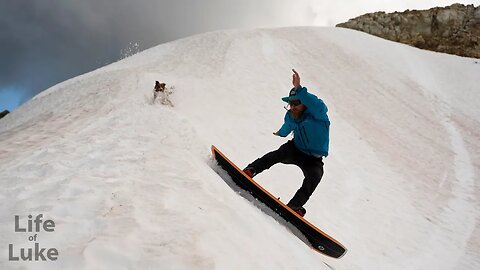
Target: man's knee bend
{"x":315,"y":175}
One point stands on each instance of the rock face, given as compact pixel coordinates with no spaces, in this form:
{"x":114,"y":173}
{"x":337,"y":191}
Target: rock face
{"x":454,"y":29}
{"x":4,"y":113}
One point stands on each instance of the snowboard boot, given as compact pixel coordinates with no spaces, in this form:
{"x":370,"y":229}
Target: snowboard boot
{"x":299,"y":210}
{"x":250,"y":171}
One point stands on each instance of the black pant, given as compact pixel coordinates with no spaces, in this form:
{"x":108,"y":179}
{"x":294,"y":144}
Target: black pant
{"x":312,"y":168}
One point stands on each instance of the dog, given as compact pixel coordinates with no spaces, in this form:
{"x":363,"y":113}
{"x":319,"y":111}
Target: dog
{"x":160,"y":91}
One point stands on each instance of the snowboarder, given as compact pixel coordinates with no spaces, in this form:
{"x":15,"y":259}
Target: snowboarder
{"x":307,"y":117}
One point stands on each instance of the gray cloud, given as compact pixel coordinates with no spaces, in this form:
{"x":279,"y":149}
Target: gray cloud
{"x":43,"y":42}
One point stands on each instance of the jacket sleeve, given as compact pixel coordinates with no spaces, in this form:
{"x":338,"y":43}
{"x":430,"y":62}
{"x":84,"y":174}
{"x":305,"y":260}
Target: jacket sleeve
{"x":287,"y":127}
{"x":314,"y":105}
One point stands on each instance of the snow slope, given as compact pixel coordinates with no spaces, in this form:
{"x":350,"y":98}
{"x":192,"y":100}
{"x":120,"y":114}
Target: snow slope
{"x":130,"y":185}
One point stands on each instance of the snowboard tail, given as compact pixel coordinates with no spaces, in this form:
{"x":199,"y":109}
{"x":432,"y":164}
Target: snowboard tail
{"x":318,"y":240}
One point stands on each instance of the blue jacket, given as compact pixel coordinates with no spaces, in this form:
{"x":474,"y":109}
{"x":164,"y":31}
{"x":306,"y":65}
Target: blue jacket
{"x":311,"y":131}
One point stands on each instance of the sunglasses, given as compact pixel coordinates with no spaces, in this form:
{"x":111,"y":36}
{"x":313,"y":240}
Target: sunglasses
{"x":294,"y":102}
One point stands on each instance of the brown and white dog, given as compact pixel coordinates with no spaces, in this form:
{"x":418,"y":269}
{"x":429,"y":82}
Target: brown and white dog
{"x":160,"y":91}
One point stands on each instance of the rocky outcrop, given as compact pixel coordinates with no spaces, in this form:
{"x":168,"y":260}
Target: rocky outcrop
{"x":4,"y":113}
{"x":454,"y":29}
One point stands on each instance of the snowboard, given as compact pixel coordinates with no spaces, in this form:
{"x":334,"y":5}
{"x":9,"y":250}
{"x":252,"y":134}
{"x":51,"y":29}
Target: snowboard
{"x":317,"y":239}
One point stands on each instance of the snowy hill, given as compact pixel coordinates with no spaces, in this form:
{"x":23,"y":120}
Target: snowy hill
{"x":130,"y":184}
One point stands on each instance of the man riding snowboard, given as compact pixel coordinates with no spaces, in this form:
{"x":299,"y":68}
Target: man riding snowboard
{"x":307,"y":118}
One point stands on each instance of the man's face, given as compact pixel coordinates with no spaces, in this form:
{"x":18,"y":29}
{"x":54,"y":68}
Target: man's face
{"x":296,"y":108}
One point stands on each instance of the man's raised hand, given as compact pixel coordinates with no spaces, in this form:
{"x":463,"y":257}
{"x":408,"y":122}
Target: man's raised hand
{"x":295,"y":79}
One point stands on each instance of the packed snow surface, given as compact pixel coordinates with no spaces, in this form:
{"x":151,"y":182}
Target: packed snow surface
{"x":130,"y":184}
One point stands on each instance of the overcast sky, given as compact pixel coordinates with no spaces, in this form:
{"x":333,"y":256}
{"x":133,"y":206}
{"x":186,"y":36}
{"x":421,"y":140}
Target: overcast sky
{"x":44,"y":42}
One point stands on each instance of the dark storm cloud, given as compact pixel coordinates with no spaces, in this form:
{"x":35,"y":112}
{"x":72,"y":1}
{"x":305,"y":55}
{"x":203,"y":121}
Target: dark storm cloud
{"x":43,"y":42}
